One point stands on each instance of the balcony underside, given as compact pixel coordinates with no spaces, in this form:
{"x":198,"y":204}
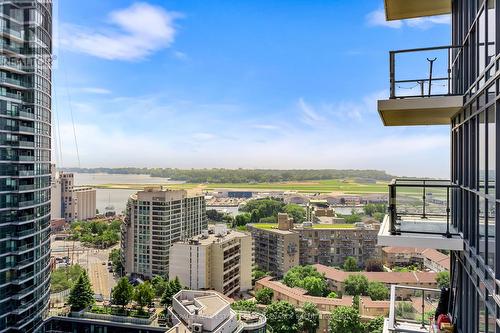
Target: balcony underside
{"x":405,"y":9}
{"x":404,"y":327}
{"x":416,"y":233}
{"x":419,"y":111}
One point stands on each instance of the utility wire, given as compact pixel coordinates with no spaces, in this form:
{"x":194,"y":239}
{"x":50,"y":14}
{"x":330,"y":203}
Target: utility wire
{"x":72,"y":117}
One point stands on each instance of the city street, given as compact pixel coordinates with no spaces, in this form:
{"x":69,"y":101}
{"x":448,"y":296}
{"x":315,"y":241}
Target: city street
{"x":93,"y":260}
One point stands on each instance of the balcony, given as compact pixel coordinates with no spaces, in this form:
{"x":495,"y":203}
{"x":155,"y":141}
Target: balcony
{"x":406,"y":9}
{"x":423,"y":93}
{"x":420,"y":216}
{"x":412,"y":315}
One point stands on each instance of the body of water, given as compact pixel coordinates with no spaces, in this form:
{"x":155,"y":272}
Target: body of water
{"x":116,"y":197}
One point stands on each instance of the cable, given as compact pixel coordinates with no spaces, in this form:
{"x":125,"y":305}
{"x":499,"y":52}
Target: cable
{"x":72,"y":117}
{"x":58,"y":129}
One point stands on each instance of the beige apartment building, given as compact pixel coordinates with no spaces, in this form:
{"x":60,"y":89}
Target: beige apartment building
{"x":276,"y":250}
{"x":280,"y":248}
{"x":404,"y":256}
{"x":218,"y":259}
{"x":157,"y":218}
{"x":68,"y":201}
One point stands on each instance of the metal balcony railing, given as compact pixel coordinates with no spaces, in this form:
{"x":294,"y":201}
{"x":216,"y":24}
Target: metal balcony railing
{"x":428,"y":72}
{"x":415,"y":313}
{"x":421,"y":206}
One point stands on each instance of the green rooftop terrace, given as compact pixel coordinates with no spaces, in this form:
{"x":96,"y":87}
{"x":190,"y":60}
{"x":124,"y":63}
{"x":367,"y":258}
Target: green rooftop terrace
{"x":315,"y":226}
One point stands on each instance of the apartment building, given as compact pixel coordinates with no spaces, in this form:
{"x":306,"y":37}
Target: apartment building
{"x":206,"y":311}
{"x":405,"y":256}
{"x":25,"y":153}
{"x":156,"y":218}
{"x":69,"y":201}
{"x":276,"y":249}
{"x":462,"y":94}
{"x":218,"y":259}
{"x":331,"y":244}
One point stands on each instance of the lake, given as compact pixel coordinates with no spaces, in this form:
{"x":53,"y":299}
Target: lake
{"x":116,"y":197}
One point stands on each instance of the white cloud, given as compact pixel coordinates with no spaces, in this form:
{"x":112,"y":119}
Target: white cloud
{"x":95,"y":90}
{"x":202,"y":136}
{"x":377,"y":18}
{"x":132,"y":34}
{"x":309,"y":115}
{"x":266,"y":127}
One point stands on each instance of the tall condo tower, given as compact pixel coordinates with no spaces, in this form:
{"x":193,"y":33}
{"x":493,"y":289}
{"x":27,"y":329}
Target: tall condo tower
{"x":25,"y":153}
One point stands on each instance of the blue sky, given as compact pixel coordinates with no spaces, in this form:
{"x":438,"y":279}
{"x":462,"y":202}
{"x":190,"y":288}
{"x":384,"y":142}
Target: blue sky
{"x":251,"y":84}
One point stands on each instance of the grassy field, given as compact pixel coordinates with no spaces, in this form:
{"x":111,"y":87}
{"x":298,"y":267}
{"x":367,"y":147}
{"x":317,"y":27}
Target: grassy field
{"x":316,"y":226}
{"x":320,"y":186}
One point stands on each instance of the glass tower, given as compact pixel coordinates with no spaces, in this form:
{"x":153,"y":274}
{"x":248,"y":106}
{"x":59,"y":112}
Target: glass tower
{"x":25,"y":143}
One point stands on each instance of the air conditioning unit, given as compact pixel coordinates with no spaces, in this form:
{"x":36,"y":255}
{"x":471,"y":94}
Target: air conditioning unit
{"x":197,"y":328}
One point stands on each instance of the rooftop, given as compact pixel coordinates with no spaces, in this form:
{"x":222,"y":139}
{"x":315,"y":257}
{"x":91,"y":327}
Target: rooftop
{"x":210,"y":238}
{"x":384,"y":277}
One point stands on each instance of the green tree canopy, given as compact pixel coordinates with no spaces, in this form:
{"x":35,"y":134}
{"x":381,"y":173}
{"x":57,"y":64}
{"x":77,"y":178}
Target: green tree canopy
{"x":378,"y":291}
{"x":345,"y":319}
{"x":172,"y":287}
{"x":332,"y":294}
{"x":144,"y":294}
{"x":122,"y":293}
{"x":282,"y":317}
{"x":242,"y":219}
{"x":264,"y":296}
{"x":81,"y":295}
{"x":295,"y":276}
{"x":374,"y":265}
{"x":443,"y":279}
{"x":356,"y":284}
{"x":375,"y":325}
{"x":315,"y":286}
{"x":159,"y":284}
{"x":244,"y":305}
{"x":298,"y":213}
{"x":351,"y":264}
{"x":309,"y":318}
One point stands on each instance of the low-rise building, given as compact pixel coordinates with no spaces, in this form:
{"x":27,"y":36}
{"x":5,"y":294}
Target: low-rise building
{"x":298,"y":297}
{"x":218,"y":259}
{"x":369,"y":308}
{"x":336,"y":278}
{"x":405,"y":256}
{"x":84,"y":201}
{"x":208,"y":312}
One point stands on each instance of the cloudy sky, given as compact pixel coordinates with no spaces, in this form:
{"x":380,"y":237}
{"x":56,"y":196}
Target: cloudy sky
{"x":250,"y":84}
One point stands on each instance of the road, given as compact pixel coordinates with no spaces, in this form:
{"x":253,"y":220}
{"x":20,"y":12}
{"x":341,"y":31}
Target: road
{"x":93,"y":260}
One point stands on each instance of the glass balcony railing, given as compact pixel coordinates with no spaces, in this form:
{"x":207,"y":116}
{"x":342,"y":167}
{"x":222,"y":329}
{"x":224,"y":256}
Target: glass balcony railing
{"x":427,"y":72}
{"x":413,"y":313}
{"x":421,"y":206}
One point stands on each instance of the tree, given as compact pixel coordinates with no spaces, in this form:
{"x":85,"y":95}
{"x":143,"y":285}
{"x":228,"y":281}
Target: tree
{"x":264,"y":296}
{"x":405,"y":310}
{"x":356,"y":284}
{"x":375,"y":325}
{"x":242,"y":219}
{"x":172,"y":287}
{"x":81,"y":295}
{"x":332,"y":294}
{"x":258,"y":274}
{"x":443,"y":279}
{"x":159,"y":284}
{"x":315,"y":286}
{"x":309,"y":318}
{"x":378,"y":291}
{"x":297,"y":212}
{"x":214,"y":215}
{"x":371,"y":209}
{"x":282,"y":317}
{"x":345,"y":319}
{"x":374,"y":265}
{"x":116,"y":261}
{"x":122,"y":293}
{"x":244,"y":305}
{"x":144,"y":294}
{"x":351,"y":264}
{"x":295,"y":276}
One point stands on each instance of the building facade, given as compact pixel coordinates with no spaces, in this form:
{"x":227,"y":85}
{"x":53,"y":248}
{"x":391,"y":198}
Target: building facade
{"x":156,"y":219}
{"x":466,"y":99}
{"x":84,"y":203}
{"x":25,"y":153}
{"x":218,"y":259}
{"x":276,"y":250}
